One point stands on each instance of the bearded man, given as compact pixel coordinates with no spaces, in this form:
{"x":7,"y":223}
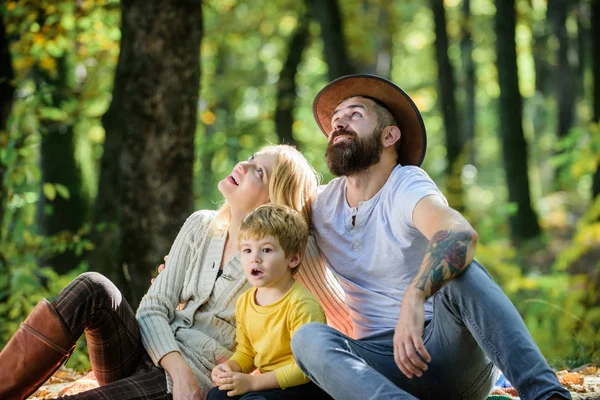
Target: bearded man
{"x":429,"y":322}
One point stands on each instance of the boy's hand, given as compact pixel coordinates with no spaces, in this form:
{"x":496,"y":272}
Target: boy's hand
{"x":237,"y":383}
{"x":161,"y":268}
{"x":219,"y":372}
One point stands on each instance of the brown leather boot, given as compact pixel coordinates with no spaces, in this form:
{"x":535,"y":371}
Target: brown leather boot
{"x":34,"y":353}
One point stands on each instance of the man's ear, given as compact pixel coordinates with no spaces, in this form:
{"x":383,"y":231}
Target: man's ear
{"x":391,"y":134}
{"x":295,"y":260}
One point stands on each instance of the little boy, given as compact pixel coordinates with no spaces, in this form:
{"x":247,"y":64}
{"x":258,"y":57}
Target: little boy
{"x":271,"y":239}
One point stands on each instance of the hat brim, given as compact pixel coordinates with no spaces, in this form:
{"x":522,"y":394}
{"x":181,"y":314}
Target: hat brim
{"x":413,"y":138}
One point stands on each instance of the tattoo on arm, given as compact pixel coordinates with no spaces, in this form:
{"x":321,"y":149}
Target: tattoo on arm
{"x":444,"y":259}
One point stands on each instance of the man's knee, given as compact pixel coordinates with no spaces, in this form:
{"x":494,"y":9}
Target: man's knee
{"x":306,"y":335}
{"x":474,"y":277}
{"x":310,"y":340}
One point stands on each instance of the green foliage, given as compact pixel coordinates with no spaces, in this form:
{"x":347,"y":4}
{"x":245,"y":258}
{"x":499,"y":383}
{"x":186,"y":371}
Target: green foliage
{"x":555,"y":286}
{"x":553,"y":281}
{"x":22,"y":280}
{"x":578,"y":156}
{"x":555,"y":306}
{"x":28,"y":284}
{"x":585,"y":239}
{"x":80,"y":41}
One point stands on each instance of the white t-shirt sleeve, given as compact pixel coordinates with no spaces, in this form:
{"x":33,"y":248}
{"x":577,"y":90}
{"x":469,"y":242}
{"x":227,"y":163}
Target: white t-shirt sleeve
{"x":413,"y":185}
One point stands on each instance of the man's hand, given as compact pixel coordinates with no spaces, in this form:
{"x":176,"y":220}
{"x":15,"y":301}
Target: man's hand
{"x":161,"y":268}
{"x":236,"y":383}
{"x":409,"y":350}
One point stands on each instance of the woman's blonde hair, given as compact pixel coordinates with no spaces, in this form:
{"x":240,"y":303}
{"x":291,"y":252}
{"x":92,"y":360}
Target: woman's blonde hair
{"x":292,"y":183}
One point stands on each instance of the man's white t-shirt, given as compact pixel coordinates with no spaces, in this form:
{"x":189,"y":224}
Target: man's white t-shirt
{"x":377,"y":257}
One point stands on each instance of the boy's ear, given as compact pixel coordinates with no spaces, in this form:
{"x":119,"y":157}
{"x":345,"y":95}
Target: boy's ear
{"x":295,"y":260}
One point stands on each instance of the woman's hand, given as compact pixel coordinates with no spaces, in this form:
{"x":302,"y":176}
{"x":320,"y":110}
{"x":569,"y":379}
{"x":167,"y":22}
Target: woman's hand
{"x":219,"y":372}
{"x":185,"y":386}
{"x":161,"y":268}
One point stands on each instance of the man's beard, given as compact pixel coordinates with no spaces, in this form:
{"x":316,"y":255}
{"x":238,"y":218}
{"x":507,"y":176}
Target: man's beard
{"x":355,"y":155}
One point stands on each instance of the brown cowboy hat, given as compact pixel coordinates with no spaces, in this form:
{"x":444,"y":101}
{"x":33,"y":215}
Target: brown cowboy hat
{"x":413,"y":140}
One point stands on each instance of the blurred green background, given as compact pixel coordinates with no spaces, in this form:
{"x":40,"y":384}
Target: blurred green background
{"x":117,"y":120}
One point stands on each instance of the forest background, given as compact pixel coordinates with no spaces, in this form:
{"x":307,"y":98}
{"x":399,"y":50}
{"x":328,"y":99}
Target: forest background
{"x":117,"y":120}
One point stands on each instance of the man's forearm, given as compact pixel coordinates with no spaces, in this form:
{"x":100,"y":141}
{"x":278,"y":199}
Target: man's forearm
{"x":448,"y":254}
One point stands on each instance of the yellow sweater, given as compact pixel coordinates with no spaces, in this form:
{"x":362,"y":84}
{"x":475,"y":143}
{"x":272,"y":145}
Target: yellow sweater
{"x":264,"y":333}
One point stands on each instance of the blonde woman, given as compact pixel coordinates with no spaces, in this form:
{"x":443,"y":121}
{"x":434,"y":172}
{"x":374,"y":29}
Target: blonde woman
{"x":169,"y":353}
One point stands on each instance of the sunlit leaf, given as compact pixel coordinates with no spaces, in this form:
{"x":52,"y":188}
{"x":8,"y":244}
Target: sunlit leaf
{"x":68,"y":22}
{"x":49,"y":191}
{"x":62,"y":190}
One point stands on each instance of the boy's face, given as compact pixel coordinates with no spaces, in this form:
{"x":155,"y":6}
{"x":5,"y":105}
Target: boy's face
{"x":265,"y":262}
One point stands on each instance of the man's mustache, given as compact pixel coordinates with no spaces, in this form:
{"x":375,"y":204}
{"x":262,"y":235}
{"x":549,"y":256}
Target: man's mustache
{"x":342,"y":132}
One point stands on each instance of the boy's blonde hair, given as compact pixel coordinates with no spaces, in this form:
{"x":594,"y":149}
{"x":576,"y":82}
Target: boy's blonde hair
{"x":292,"y":183}
{"x":280,"y":222}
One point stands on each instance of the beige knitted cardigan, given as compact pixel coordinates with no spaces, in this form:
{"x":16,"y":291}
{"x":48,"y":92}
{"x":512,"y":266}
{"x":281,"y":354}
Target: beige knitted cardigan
{"x":204,"y":331}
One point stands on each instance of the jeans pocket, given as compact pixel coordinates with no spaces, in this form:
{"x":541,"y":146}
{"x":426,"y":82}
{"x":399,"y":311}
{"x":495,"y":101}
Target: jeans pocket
{"x":481,"y":386}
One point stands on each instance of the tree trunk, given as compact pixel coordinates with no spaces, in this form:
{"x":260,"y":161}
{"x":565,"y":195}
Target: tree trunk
{"x":59,"y":165}
{"x":381,"y":62}
{"x":7,"y":89}
{"x":582,"y":13}
{"x":565,"y":76}
{"x":327,"y":12}
{"x":220,"y":108}
{"x":447,"y":87}
{"x":543,"y":71}
{"x":540,"y":55}
{"x":147,"y":167}
{"x":595,"y":28}
{"x":286,"y":87}
{"x":543,"y":49}
{"x":469,"y":112}
{"x":385,"y":43}
{"x":523,"y":223}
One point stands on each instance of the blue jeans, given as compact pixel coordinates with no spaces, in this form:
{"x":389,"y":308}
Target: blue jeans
{"x":474,"y":329}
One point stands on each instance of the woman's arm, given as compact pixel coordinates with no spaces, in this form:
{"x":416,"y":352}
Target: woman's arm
{"x":185,"y":385}
{"x":316,"y":277}
{"x":157,"y":309}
